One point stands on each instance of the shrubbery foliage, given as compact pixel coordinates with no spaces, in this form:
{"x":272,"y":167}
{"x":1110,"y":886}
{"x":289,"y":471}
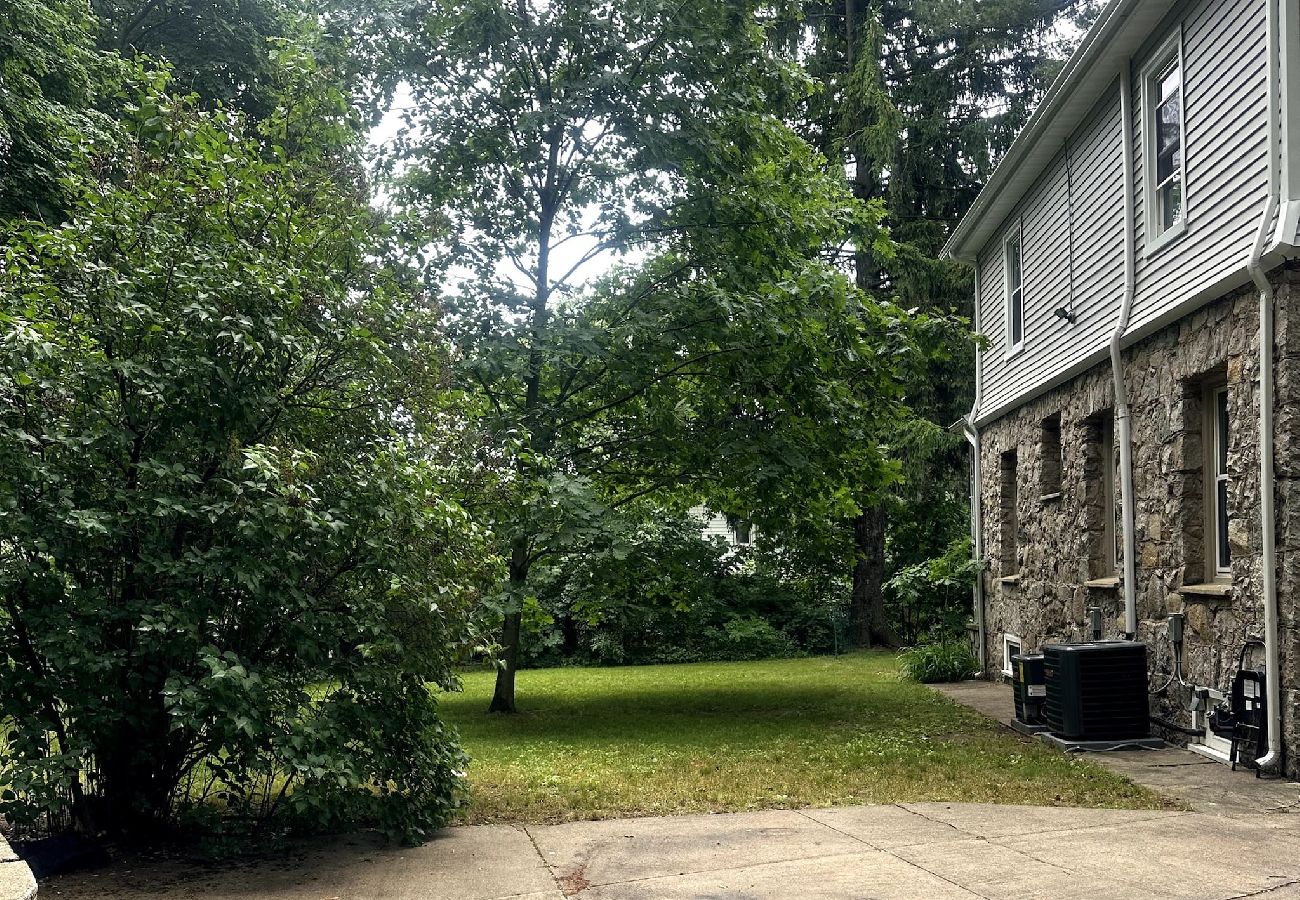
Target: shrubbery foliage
{"x":229,"y":566}
{"x":950,"y":660}
{"x":662,"y":592}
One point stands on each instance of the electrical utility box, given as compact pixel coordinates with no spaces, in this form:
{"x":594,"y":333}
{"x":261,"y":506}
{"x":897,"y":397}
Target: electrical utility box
{"x":1028,"y":688}
{"x":1096,"y":691}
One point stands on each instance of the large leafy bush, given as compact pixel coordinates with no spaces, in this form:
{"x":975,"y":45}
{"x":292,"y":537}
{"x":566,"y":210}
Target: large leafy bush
{"x":230,"y":563}
{"x":930,"y":601}
{"x":659,"y":591}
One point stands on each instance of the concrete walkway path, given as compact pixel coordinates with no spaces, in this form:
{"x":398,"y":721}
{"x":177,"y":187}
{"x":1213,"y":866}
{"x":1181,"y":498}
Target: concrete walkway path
{"x":1206,"y":785}
{"x":1241,"y":839}
{"x":931,"y":850}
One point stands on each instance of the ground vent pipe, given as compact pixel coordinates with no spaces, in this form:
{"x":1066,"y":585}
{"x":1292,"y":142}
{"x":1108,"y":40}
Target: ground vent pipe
{"x":1127,"y":499}
{"x":1268,"y":550}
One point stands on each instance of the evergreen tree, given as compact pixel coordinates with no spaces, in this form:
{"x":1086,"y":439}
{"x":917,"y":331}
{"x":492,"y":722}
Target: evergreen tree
{"x":920,"y":100}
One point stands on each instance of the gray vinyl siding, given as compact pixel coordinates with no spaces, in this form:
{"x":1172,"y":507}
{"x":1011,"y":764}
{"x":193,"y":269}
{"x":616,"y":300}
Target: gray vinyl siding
{"x":1051,"y":343}
{"x":1226,"y":118}
{"x":1226,"y":121}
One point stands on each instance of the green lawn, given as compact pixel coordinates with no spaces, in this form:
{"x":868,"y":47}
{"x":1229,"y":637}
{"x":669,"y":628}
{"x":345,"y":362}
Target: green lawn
{"x":599,"y":743}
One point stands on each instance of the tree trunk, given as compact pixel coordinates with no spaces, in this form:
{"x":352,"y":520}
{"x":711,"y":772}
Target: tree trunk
{"x":503,"y":697}
{"x":869,"y":625}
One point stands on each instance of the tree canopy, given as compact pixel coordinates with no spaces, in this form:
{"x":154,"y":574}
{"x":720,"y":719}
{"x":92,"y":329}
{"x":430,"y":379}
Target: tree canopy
{"x":231,"y":563}
{"x":725,"y":349}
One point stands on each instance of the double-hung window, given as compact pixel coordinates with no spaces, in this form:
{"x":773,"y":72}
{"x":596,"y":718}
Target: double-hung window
{"x":1164,"y":139}
{"x":1013,"y":260}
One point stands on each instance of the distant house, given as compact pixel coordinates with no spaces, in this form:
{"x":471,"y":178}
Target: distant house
{"x":735,"y":532}
{"x":1137,"y":416}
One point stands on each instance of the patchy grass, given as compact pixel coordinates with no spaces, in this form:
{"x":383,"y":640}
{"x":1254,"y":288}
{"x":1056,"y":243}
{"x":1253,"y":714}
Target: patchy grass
{"x":601,"y":743}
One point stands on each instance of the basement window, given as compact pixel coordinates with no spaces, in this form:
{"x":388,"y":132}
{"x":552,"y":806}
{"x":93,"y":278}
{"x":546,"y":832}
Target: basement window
{"x":1011,"y":645}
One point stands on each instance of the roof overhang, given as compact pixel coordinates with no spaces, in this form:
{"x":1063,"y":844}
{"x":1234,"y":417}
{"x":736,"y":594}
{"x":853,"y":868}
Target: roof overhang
{"x":1119,"y":32}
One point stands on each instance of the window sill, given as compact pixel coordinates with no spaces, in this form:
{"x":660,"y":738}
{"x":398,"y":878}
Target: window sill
{"x":1158,"y":244}
{"x":1103,"y":584}
{"x":1053,"y":497}
{"x":1011,"y":580}
{"x":1211,"y":590}
{"x":1013,"y":352}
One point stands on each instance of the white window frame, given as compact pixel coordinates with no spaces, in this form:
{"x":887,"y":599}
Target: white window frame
{"x":1016,"y":235}
{"x":1007,"y":640}
{"x":1169,"y":53}
{"x":1216,"y":569}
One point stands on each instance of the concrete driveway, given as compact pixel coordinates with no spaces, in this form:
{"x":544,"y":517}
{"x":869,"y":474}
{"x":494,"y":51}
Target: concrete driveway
{"x":930,"y":850}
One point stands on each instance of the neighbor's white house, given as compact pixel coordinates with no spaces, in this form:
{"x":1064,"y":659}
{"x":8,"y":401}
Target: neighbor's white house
{"x":1136,"y":425}
{"x":734,"y":532}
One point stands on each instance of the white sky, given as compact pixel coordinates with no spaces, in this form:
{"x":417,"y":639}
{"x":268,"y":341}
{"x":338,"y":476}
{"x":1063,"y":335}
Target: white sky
{"x":563,"y":257}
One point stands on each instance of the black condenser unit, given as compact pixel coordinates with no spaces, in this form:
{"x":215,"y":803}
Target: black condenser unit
{"x":1027,"y":687}
{"x":1096,"y":691}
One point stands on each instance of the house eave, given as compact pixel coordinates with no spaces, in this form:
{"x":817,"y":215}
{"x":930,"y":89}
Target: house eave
{"x":1120,"y":30}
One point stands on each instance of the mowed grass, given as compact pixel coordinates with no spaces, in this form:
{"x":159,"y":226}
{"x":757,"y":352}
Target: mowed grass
{"x":651,"y":740}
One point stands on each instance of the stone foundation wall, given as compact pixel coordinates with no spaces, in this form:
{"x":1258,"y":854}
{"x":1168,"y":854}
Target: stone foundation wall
{"x":1046,"y":514}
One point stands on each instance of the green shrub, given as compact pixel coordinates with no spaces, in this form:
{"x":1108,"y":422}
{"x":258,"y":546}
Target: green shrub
{"x":229,"y":562}
{"x":750,"y":637}
{"x":930,"y":601}
{"x":933,"y":663}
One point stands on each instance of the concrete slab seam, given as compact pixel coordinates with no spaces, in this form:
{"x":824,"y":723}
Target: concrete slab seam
{"x":1268,"y":890}
{"x":944,"y":878}
{"x":917,"y":812}
{"x":741,"y":868}
{"x":905,"y":861}
{"x":550,"y":870}
{"x":992,"y":842}
{"x":1159,"y":817}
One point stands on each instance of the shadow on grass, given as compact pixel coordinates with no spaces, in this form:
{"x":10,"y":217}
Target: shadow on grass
{"x":679,"y":704}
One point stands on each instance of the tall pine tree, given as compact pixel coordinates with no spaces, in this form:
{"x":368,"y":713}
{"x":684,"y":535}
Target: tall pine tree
{"x":920,"y":99}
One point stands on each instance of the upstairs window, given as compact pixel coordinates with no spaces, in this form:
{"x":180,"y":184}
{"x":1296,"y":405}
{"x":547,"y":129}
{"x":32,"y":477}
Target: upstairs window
{"x":1013,"y":259}
{"x":1163,"y":96}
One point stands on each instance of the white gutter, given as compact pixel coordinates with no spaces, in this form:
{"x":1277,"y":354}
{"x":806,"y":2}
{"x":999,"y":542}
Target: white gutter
{"x":1289,"y":84}
{"x":1268,"y":561}
{"x":1127,"y":499}
{"x":977,"y":487}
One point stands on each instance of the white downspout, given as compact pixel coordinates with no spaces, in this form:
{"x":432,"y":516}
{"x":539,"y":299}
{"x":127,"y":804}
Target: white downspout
{"x":977,"y":486}
{"x":1127,"y":499}
{"x":1268,"y":561}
